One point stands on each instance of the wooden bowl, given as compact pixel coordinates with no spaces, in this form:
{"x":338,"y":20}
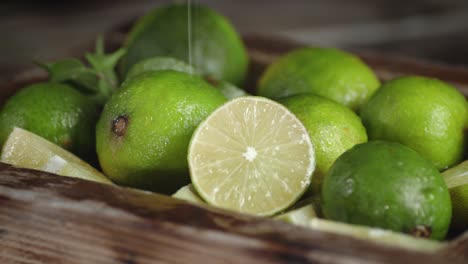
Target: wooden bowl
{"x":45,"y":218}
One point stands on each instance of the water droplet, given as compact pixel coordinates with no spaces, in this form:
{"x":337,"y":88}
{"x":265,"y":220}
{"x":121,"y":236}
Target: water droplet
{"x":349,"y":187}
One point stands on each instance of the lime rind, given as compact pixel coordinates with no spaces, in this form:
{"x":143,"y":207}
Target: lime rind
{"x":274,"y":197}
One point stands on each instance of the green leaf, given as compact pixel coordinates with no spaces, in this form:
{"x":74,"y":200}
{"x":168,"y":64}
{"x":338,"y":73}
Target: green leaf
{"x":71,"y":71}
{"x":98,"y":79}
{"x":104,"y":66}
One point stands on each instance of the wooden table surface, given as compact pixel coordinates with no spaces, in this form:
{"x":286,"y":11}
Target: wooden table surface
{"x":53,"y":219}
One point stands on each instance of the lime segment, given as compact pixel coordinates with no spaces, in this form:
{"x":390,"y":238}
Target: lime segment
{"x":189,"y":194}
{"x":27,"y":150}
{"x":457,"y":182}
{"x":300,"y":216}
{"x":457,"y":175}
{"x":251,"y":155}
{"x":305,"y":216}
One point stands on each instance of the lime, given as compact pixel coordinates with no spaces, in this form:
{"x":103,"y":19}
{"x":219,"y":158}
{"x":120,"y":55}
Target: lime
{"x":305,"y":216}
{"x":145,"y":128}
{"x":333,"y":129}
{"x":424,"y":114}
{"x":56,"y":112}
{"x":160,"y":63}
{"x":251,"y":155}
{"x":229,"y":90}
{"x":27,"y":150}
{"x":188,"y":193}
{"x":209,"y":42}
{"x":331,"y":73}
{"x":387,"y":185}
{"x":300,"y":215}
{"x":457,"y":182}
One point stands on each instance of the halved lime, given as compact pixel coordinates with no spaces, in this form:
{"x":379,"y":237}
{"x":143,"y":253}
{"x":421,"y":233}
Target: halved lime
{"x":27,"y":150}
{"x":305,"y":216}
{"x":251,"y":155}
{"x":188,"y":193}
{"x":456,"y":179}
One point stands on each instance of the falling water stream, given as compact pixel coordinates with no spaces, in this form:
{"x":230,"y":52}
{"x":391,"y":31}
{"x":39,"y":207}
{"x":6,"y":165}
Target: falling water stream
{"x":189,"y":31}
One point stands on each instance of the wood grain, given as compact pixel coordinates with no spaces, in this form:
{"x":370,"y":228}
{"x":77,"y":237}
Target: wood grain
{"x":46,"y":218}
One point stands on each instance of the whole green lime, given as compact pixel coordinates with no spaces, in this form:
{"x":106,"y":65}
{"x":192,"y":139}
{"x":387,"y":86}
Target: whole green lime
{"x":159,"y":63}
{"x":145,"y":128}
{"x":424,"y":114}
{"x":331,"y":73}
{"x":229,"y":90}
{"x":387,"y":185}
{"x":209,"y":42}
{"x":56,"y":112}
{"x":333,"y":129}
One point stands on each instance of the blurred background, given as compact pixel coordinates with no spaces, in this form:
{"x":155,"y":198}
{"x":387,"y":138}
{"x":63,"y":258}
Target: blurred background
{"x":436,"y":30}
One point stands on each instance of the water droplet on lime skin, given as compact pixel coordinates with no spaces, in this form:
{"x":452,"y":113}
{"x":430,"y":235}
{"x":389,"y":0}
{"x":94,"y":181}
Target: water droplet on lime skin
{"x":119,"y":125}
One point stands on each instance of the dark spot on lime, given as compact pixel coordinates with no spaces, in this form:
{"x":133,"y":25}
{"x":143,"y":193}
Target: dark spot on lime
{"x":421,"y":231}
{"x":209,"y":79}
{"x":119,"y":125}
{"x":66,"y":143}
